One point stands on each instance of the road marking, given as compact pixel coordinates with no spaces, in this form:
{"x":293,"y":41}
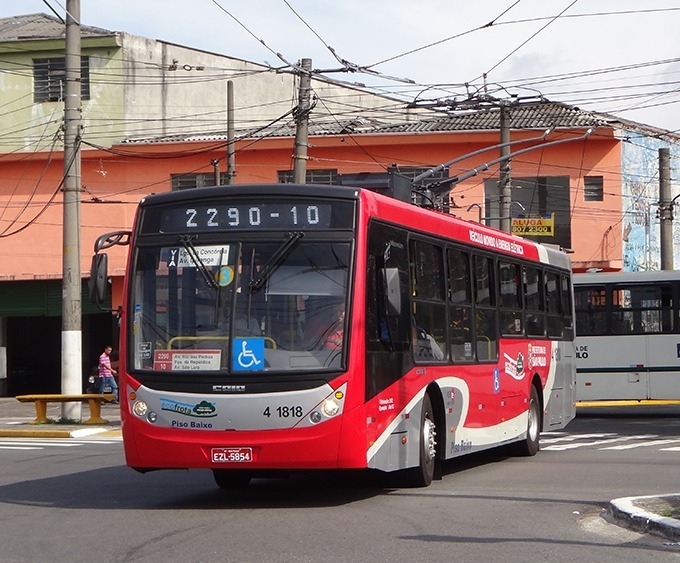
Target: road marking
{"x":39,"y":444}
{"x":564,"y":437}
{"x":643,"y":445}
{"x":579,"y":444}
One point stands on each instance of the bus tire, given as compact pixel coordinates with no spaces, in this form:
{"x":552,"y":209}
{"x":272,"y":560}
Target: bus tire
{"x":229,"y":479}
{"x":529,"y":445}
{"x":422,"y":475}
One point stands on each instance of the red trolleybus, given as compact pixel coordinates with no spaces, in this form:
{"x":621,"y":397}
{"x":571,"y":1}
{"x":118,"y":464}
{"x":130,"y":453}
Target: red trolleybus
{"x":284,"y":327}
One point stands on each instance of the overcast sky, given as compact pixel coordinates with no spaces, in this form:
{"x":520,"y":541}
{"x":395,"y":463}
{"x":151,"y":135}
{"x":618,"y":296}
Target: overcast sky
{"x":616,"y":56}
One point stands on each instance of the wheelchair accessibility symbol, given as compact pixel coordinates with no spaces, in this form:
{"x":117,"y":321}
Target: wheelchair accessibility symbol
{"x":247,"y":354}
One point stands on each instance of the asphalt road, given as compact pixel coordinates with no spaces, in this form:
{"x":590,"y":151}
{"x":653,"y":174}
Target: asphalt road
{"x":74,"y":500}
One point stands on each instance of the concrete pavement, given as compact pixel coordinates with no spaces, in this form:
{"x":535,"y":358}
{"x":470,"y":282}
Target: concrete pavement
{"x":659,"y":515}
{"x":16,"y":420}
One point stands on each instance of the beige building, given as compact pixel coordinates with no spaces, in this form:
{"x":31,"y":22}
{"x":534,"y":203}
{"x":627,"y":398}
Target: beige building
{"x":134,"y":86}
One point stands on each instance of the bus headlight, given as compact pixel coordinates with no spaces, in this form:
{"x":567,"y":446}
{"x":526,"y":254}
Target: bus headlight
{"x":140,"y":408}
{"x":330,"y":407}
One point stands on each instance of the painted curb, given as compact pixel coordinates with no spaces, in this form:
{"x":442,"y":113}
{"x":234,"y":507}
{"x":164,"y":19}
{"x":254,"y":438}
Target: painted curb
{"x":55,"y":433}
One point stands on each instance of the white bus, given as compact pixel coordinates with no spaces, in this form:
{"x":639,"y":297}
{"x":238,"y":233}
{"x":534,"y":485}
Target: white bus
{"x":627,"y":335}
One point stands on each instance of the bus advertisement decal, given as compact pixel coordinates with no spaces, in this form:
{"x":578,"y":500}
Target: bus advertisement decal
{"x":204,"y":409}
{"x":515,"y":367}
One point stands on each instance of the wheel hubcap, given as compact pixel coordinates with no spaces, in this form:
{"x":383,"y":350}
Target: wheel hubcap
{"x":429,"y":435}
{"x":533,"y":421}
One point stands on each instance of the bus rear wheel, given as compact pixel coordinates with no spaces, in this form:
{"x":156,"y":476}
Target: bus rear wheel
{"x":422,"y":475}
{"x":529,"y":445}
{"x":229,"y":479}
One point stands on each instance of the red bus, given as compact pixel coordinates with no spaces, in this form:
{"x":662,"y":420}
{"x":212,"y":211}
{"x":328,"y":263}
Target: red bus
{"x":291,"y":327}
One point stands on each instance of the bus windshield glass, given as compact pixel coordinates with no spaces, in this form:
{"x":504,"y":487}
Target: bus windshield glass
{"x":239,"y":307}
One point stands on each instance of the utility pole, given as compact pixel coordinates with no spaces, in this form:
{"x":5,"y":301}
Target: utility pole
{"x":71,"y":335}
{"x":216,"y":171}
{"x":505,"y":187}
{"x":231,"y":153}
{"x":665,"y":209}
{"x":302,"y":121}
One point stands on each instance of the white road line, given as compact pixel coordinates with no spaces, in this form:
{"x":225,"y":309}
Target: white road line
{"x":56,"y":443}
{"x":643,"y":445}
{"x":574,"y":437}
{"x":573,"y":446}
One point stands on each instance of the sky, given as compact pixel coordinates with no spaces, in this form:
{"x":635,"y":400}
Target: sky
{"x":620,"y":57}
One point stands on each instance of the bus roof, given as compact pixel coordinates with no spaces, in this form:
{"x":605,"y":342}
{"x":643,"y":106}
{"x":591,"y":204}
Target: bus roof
{"x":386,"y":208}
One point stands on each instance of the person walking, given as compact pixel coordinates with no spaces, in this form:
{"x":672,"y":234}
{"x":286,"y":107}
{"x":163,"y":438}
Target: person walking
{"x":106,"y":373}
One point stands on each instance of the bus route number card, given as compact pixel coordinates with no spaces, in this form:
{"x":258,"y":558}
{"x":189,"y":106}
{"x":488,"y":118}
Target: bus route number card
{"x":232,"y":455}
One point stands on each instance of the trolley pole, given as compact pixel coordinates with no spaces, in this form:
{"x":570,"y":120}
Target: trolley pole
{"x":302,"y":121}
{"x":665,"y":209}
{"x":71,"y":335}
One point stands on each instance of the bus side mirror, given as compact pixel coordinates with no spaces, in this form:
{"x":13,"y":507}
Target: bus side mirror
{"x":98,"y":282}
{"x":391,"y":291}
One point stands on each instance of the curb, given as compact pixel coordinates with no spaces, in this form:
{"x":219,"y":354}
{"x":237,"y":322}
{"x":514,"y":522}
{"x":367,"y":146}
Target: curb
{"x":55,"y":433}
{"x":628,"y":403}
{"x":626,"y":512}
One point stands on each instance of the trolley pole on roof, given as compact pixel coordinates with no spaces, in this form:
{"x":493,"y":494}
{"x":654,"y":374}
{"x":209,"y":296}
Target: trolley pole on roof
{"x":302,"y":121}
{"x":665,"y":209}
{"x":71,"y":335}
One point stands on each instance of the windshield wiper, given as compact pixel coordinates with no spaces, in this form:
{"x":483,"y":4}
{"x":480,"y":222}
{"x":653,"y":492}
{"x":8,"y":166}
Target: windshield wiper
{"x":274,"y":261}
{"x":196,"y":259}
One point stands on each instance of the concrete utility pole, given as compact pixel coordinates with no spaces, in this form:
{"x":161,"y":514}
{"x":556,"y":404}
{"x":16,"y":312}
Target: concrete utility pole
{"x":302,"y":120}
{"x":71,"y":335}
{"x":665,"y":209}
{"x":231,"y":153}
{"x":505,"y":187}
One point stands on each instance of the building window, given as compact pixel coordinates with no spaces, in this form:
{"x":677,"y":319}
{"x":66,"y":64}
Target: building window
{"x":593,"y":188}
{"x":48,"y":79}
{"x":325,"y":177}
{"x":188,"y":181}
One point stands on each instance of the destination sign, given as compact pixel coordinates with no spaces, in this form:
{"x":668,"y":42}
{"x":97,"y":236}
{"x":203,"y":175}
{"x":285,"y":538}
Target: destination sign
{"x":253,"y":216}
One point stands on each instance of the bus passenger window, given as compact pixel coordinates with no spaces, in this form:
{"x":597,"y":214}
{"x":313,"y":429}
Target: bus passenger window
{"x":428,"y":332}
{"x":460,"y":334}
{"x":486,"y":335}
{"x":533,"y":299}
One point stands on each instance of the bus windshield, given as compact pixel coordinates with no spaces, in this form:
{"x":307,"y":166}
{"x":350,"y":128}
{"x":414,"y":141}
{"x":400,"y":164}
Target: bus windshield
{"x":239,"y":307}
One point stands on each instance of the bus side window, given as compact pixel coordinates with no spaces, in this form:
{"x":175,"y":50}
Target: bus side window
{"x":512,"y":321}
{"x":429,"y":308}
{"x":486,"y":323}
{"x":533,"y":298}
{"x":460,"y":305}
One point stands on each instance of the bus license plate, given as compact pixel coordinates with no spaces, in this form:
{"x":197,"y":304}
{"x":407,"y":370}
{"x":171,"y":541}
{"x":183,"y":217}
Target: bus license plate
{"x":232,"y":455}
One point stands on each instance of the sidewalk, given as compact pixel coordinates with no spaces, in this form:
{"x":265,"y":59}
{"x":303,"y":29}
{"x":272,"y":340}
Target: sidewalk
{"x":16,"y":421}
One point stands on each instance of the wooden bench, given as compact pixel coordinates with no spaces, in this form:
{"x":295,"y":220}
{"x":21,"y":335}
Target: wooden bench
{"x":95,"y":401}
